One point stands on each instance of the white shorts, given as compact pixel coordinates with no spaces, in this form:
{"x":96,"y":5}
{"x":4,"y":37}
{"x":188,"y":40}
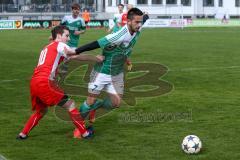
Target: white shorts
{"x":110,"y":84}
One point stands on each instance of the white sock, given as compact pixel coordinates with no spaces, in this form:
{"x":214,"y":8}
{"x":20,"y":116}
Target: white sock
{"x":22,"y":135}
{"x":85,"y":134}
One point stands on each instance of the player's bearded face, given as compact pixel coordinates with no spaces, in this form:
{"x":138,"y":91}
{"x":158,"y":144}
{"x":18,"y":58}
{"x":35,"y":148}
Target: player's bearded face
{"x":135,"y":23}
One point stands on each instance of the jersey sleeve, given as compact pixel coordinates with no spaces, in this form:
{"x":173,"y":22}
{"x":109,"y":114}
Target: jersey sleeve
{"x":63,"y":20}
{"x":83,"y":25}
{"x":119,"y":19}
{"x":113,"y":39}
{"x":60,"y":49}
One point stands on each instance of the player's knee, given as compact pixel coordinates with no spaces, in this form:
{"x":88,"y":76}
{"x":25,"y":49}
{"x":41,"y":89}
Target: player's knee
{"x":43,"y":111}
{"x":69,"y":105}
{"x":116,"y":104}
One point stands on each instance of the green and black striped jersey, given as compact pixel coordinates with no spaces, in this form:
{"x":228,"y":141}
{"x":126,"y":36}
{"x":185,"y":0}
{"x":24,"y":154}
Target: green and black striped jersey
{"x":116,"y":47}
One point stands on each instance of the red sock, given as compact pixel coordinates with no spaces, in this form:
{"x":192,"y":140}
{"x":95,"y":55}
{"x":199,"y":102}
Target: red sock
{"x":32,"y":122}
{"x":77,"y":120}
{"x":92,"y":116}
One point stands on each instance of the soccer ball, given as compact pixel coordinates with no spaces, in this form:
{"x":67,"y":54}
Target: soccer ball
{"x":191,"y":144}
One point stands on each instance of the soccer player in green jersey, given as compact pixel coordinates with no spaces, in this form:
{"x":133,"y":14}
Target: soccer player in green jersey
{"x":108,"y":76}
{"x":75,"y":24}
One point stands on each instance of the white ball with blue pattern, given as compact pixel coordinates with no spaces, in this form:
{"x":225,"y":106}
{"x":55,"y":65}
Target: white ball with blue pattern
{"x":191,"y":144}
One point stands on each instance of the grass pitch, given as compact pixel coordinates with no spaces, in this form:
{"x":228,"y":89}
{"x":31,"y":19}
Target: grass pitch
{"x":204,"y":68}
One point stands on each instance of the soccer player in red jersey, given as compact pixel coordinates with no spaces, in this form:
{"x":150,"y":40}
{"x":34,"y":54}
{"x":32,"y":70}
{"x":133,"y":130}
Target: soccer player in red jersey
{"x":44,"y":89}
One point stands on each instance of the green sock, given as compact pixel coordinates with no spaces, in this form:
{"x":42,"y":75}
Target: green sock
{"x":97,"y":104}
{"x":84,"y":109}
{"x":107,"y":104}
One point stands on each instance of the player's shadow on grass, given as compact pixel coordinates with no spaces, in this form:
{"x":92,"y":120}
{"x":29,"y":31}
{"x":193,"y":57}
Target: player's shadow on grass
{"x":144,"y":80}
{"x":55,"y":131}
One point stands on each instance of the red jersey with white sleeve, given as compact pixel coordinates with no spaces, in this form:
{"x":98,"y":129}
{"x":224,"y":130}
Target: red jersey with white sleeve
{"x":44,"y":91}
{"x":50,"y":57}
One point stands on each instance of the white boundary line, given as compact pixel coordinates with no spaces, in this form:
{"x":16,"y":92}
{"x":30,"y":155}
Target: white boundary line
{"x":2,"y":157}
{"x":8,"y":80}
{"x":202,"y":68}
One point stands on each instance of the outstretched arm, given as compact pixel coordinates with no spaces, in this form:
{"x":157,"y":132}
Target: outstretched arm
{"x":79,"y":32}
{"x":84,"y":48}
{"x":88,"y":47}
{"x":86,"y":57}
